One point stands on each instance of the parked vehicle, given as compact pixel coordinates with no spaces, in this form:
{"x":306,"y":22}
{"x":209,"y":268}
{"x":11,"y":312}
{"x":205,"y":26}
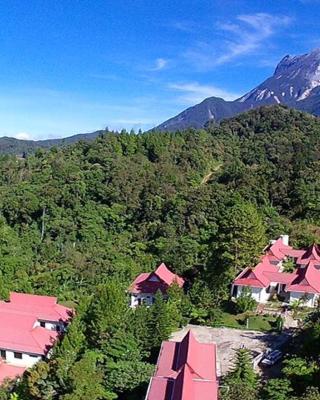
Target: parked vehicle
{"x":272,"y":358}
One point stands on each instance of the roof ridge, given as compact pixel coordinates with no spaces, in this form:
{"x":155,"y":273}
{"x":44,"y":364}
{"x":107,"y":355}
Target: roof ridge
{"x":192,"y":370}
{"x":310,"y":263}
{"x":41,"y":329}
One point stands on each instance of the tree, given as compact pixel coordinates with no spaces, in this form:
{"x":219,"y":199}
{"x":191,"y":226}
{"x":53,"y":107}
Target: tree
{"x":68,"y":351}
{"x":312,"y":393}
{"x":204,"y":304}
{"x":15,"y":260}
{"x":279,"y":323}
{"x":37,"y":383}
{"x":301,"y":372}
{"x":241,"y":234}
{"x":160,"y":323}
{"x":139,"y":325}
{"x":242,"y":369}
{"x":296,"y":306}
{"x":87,"y":380}
{"x":238,"y":242}
{"x":237,"y":390}
{"x":126,"y":376}
{"x":245,"y":302}
{"x":178,"y":306}
{"x":124,"y":367}
{"x":277,"y":389}
{"x":288,"y":265}
{"x":241,"y":381}
{"x":102,"y":324}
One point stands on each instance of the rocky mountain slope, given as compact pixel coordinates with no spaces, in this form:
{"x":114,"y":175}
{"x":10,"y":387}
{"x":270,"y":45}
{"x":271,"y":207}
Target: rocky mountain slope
{"x":295,"y":83}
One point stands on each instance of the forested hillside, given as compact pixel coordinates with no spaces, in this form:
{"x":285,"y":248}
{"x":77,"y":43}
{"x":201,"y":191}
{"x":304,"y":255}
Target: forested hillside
{"x":81,"y":222}
{"x":10,"y":145}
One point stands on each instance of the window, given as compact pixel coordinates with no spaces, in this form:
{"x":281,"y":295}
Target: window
{"x":42,"y":324}
{"x":17,"y":355}
{"x":33,"y":355}
{"x":3,"y":354}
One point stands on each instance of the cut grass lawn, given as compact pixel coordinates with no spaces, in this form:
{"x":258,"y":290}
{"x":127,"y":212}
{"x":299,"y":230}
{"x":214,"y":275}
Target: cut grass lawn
{"x":263,"y":323}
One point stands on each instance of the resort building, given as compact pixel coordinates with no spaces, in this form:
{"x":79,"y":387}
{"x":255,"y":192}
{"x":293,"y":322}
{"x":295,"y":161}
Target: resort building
{"x":146,"y":285}
{"x":30,"y":325}
{"x":283,"y":271}
{"x":185,"y":370}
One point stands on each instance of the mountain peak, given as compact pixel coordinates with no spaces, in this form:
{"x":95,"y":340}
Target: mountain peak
{"x":308,"y":61}
{"x":295,"y":83}
{"x":294,"y":79}
{"x":284,"y":64}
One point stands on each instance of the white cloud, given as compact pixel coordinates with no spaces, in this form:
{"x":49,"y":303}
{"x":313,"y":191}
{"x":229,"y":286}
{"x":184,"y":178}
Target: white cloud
{"x":248,"y":34}
{"x":22,"y":136}
{"x":194,"y":92}
{"x":160,"y":63}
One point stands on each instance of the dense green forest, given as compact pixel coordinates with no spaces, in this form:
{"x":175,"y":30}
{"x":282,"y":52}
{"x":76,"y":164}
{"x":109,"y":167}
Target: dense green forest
{"x":81,"y":222}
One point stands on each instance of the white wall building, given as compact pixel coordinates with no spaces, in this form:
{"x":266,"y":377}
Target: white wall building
{"x":144,"y":288}
{"x":292,"y":274}
{"x":29,"y":327}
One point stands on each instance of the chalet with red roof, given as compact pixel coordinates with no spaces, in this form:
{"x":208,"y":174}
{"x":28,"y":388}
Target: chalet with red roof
{"x":146,"y":285}
{"x":185,"y":370}
{"x":269,"y":276}
{"x":30,"y":325}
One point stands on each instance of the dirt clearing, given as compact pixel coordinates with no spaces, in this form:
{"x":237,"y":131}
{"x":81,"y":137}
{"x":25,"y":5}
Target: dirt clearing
{"x":229,"y":340}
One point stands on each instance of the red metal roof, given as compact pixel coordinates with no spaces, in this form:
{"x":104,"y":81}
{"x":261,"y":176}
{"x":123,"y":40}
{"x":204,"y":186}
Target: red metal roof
{"x":280,"y":277}
{"x":295,"y":253}
{"x":19,"y":319}
{"x":312,"y":253}
{"x":151,"y":282}
{"x":8,"y":371}
{"x":248,"y":278}
{"x":19,"y":327}
{"x":185,"y":370}
{"x":306,"y":277}
{"x":18,"y":333}
{"x":40,"y":307}
{"x":256,"y":276}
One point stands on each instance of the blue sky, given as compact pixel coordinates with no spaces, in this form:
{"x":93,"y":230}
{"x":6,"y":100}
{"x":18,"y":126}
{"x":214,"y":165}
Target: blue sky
{"x":71,"y":66}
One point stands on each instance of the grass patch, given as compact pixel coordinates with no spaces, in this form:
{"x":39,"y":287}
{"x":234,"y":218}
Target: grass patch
{"x":263,"y":323}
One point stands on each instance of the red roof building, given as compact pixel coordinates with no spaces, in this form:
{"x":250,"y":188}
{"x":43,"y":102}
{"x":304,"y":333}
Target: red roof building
{"x":185,"y":370}
{"x":43,"y":308}
{"x":30,"y":325}
{"x":8,"y":371}
{"x":146,"y":285}
{"x":268,"y":276}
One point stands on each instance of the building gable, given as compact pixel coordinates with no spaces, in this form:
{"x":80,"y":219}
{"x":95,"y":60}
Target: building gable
{"x":153,"y":278}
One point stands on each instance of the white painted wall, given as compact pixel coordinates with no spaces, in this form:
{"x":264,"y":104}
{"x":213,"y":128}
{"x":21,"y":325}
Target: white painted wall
{"x":146,"y":298}
{"x":27,"y":359}
{"x":311,"y":299}
{"x":51,"y":325}
{"x":259,"y":294}
{"x":264,"y":296}
{"x":285,"y":239}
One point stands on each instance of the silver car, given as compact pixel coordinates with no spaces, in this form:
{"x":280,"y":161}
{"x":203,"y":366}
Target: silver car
{"x":272,"y":358}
